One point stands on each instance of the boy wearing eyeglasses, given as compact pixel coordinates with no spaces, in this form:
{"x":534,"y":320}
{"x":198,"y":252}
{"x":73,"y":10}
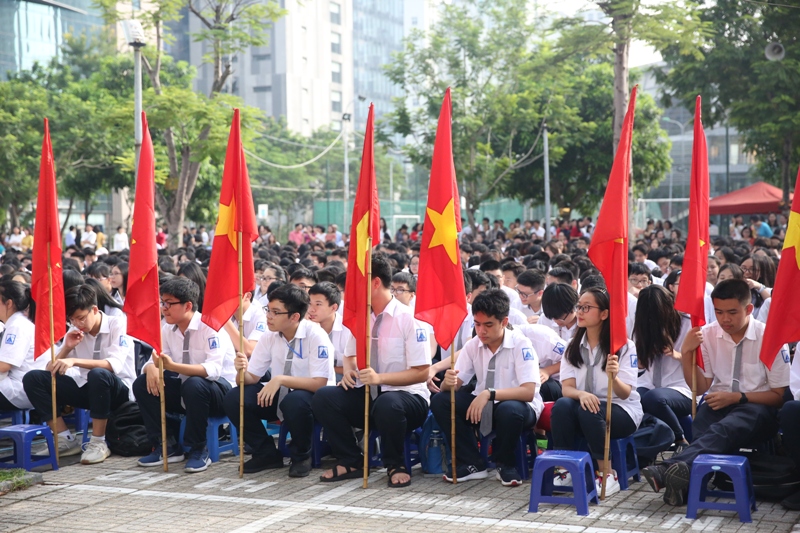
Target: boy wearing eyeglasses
{"x":198,"y":372}
{"x":530,"y":286}
{"x":94,"y":370}
{"x":300,"y":357}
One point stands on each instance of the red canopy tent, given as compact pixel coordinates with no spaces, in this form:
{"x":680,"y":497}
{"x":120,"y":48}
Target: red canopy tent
{"x":757,"y":198}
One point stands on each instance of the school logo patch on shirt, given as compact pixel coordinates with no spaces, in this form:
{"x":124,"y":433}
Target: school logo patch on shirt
{"x":122,"y":341}
{"x":213,"y":343}
{"x":527,"y":354}
{"x":322,"y":352}
{"x":261,"y":326}
{"x":785,"y":355}
{"x":421,"y":336}
{"x":634,"y":361}
{"x":559,"y":348}
{"x":11,"y":338}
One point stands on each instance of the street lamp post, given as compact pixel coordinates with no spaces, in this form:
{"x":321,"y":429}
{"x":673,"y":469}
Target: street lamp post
{"x":134,"y":35}
{"x":346,"y":116}
{"x":546,"y":185}
{"x":672,"y":170}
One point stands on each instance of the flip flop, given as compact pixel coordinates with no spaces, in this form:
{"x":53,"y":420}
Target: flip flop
{"x":350,"y":473}
{"x":397,"y":470}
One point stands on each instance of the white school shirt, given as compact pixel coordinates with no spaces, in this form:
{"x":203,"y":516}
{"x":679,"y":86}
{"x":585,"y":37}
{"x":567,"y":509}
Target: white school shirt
{"x":260,"y":297}
{"x":516,"y":363}
{"x":312,"y":358}
{"x":516,"y":317}
{"x":719,"y":352}
{"x":340,"y":336}
{"x":631,"y":318}
{"x":116,"y":347}
{"x":402,"y":343}
{"x":548,"y":345}
{"x":528,"y":312}
{"x":89,"y":237}
{"x":255,"y":322}
{"x":465,"y":330}
{"x":628,"y":373}
{"x":513,"y":297}
{"x":763,"y":312}
{"x":120,"y":242}
{"x":671,"y":368}
{"x":565,"y":333}
{"x":206,"y":347}
{"x":17,"y":351}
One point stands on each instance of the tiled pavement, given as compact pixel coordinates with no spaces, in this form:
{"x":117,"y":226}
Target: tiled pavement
{"x":119,"y":496}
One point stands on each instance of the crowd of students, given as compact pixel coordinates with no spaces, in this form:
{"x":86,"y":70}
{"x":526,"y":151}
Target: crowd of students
{"x":537,"y":330}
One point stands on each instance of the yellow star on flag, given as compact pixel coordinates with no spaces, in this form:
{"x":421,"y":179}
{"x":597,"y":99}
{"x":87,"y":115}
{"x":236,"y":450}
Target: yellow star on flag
{"x":445,"y":232}
{"x":225,"y":222}
{"x":793,"y":235}
{"x":362,"y":239}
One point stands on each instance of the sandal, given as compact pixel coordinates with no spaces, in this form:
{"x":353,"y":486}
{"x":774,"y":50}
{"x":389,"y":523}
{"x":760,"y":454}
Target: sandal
{"x":350,"y":473}
{"x":397,"y":470}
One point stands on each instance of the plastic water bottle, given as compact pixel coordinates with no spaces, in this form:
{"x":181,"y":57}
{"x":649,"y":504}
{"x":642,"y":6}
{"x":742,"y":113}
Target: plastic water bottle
{"x":434,"y":453}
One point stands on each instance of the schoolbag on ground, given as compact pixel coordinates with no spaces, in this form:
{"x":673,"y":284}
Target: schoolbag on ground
{"x":653,"y":437}
{"x":125,"y":433}
{"x":774,"y":477}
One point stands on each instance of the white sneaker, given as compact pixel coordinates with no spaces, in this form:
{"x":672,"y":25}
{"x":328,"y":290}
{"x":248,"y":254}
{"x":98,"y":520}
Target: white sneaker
{"x":65,"y":448}
{"x":612,"y":484}
{"x":562,"y":478}
{"x":94,"y":452}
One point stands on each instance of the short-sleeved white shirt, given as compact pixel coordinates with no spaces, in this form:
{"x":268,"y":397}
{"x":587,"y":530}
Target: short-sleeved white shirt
{"x":313,"y":353}
{"x":255,"y":322}
{"x":628,"y":373}
{"x":17,"y":350}
{"x":719,"y":352}
{"x":516,"y":363}
{"x":565,"y":333}
{"x":671,"y":368}
{"x":340,"y":336}
{"x":513,"y":297}
{"x":528,"y":312}
{"x":548,"y":345}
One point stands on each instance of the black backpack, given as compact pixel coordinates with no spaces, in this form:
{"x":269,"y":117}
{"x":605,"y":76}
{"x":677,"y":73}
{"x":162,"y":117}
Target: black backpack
{"x":653,"y":437}
{"x":774,"y":477}
{"x":125,"y":433}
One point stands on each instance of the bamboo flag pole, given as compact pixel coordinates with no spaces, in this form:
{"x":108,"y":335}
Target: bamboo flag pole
{"x":163,"y":411}
{"x":694,"y":384}
{"x":241,"y":372}
{"x":453,"y":413}
{"x":369,"y":350}
{"x":54,"y":419}
{"x":607,"y":444}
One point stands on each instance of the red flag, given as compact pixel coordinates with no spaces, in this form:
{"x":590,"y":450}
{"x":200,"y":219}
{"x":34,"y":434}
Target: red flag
{"x":366,"y":224}
{"x":47,"y":255}
{"x":609,"y":248}
{"x":785,"y":327}
{"x":142,"y":301}
{"x":236,"y":214}
{"x":441,"y":298}
{"x":692,"y":291}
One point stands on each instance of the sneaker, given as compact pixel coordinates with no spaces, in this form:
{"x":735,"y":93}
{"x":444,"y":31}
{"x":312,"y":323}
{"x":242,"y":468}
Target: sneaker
{"x":465,"y":473}
{"x":654,"y":474}
{"x":262,"y":462}
{"x":66,"y":447}
{"x":198,"y":461}
{"x":174,"y":455}
{"x":94,"y":452}
{"x":562,"y":478}
{"x":676,"y":483}
{"x":300,"y":468}
{"x":509,"y":476}
{"x":612,"y":484}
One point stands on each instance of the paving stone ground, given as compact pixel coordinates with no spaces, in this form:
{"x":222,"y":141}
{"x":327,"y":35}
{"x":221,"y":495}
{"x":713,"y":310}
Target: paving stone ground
{"x":118,"y":496}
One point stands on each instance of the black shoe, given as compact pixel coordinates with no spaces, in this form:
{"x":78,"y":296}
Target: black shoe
{"x":262,"y":462}
{"x":792,"y":502}
{"x":654,"y":475}
{"x":509,"y":476}
{"x":676,"y":483}
{"x":300,"y":468}
{"x":465,"y":473}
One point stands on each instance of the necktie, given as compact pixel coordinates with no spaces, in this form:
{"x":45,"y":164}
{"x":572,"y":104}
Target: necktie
{"x":587,"y":358}
{"x":185,"y":356}
{"x":373,"y":390}
{"x":737,"y":367}
{"x":657,"y":371}
{"x":96,"y":353}
{"x":488,"y":409}
{"x":287,"y":371}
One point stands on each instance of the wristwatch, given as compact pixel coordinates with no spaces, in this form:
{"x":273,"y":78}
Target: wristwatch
{"x":743,"y":399}
{"x":492,"y":393}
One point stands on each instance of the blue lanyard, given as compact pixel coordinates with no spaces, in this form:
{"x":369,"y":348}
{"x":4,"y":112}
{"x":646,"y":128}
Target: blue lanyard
{"x":288,"y":345}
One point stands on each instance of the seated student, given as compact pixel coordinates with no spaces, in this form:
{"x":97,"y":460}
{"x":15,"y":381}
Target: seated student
{"x":400,"y":360}
{"x":558,"y":305}
{"x":198,"y":373}
{"x":255,"y":324}
{"x":465,"y":332}
{"x":299,"y":356}
{"x":16,"y":344}
{"x":325,"y":298}
{"x":585,"y":371}
{"x":492,"y":268}
{"x":530,"y":286}
{"x":404,"y":288}
{"x":507,"y":371}
{"x":740,"y":409}
{"x":266,"y":274}
{"x":549,"y":348}
{"x":303,"y":278}
{"x":94,"y":370}
{"x":657,"y":331}
{"x":789,"y":418}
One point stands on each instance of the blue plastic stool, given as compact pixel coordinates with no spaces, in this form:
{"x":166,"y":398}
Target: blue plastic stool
{"x":520,"y":452}
{"x":319,"y":445}
{"x":686,"y":425}
{"x":410,"y":449}
{"x":23,"y":435}
{"x":17,"y":416}
{"x":620,"y":450}
{"x":213,"y":442}
{"x":735,"y":466}
{"x":579,"y":465}
{"x":81,"y":418}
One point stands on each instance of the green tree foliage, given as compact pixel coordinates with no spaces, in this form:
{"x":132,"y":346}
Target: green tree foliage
{"x":737,"y":82}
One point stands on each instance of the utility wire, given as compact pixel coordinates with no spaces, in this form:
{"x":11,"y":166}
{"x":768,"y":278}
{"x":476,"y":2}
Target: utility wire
{"x":299,"y":165}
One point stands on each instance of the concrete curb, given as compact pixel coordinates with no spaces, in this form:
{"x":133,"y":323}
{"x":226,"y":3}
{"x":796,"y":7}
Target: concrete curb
{"x":23,"y":482}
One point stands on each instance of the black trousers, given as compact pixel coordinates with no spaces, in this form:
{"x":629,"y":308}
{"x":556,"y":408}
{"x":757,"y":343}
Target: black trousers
{"x":667,"y":405}
{"x":789,"y":418}
{"x":570,"y":421}
{"x":297,"y":415}
{"x":726,"y":430}
{"x":202,"y":398}
{"x":550,"y":390}
{"x":102,"y":393}
{"x":6,"y":405}
{"x":510,"y":418}
{"x":393,"y":414}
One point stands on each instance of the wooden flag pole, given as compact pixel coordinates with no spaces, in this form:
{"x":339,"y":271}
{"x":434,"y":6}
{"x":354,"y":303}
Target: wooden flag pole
{"x":607,"y":444}
{"x":369,"y":349}
{"x":163,"y":411}
{"x":54,"y":419}
{"x":241,"y":372}
{"x":453,"y":413}
{"x":694,"y":384}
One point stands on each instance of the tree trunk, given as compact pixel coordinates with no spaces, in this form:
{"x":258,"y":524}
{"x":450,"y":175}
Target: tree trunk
{"x":786,"y":173}
{"x":69,"y":214}
{"x":13,"y":215}
{"x":621,"y":89}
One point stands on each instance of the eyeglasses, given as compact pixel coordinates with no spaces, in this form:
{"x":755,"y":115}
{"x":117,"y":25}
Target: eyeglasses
{"x":638,"y":282}
{"x":584,"y":308}
{"x":399,"y":291}
{"x":525,"y":294}
{"x":748,"y":270}
{"x":82,"y":320}
{"x":273,"y":313}
{"x":167,"y":305}
{"x":265,"y":278}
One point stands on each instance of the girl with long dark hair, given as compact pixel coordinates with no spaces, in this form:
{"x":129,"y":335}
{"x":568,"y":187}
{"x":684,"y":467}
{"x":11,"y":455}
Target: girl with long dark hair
{"x":16,"y":349}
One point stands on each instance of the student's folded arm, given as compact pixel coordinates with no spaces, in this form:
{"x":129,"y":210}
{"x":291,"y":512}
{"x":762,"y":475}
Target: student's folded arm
{"x":4,"y":368}
{"x":524,"y":393}
{"x":411,"y":376}
{"x":569,"y":390}
{"x":772,"y":397}
{"x":199,"y":370}
{"x":93,"y":363}
{"x":309,"y":384}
